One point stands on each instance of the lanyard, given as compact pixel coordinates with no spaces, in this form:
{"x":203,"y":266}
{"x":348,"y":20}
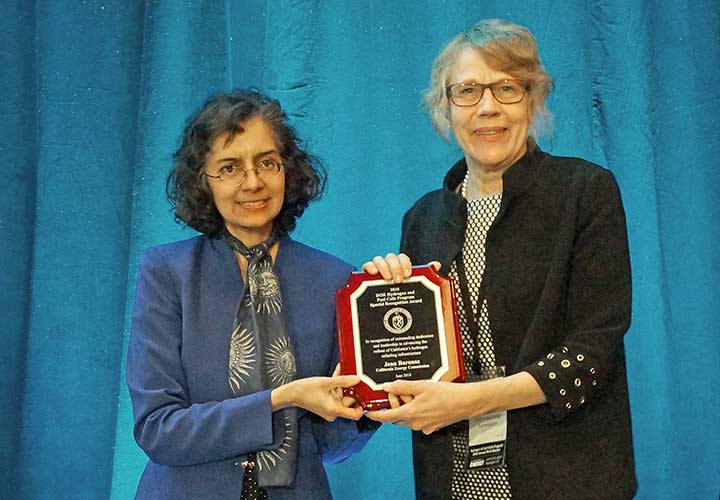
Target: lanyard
{"x":471,"y":319}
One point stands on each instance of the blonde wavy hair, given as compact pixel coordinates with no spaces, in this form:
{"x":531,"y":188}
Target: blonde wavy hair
{"x":505,"y":47}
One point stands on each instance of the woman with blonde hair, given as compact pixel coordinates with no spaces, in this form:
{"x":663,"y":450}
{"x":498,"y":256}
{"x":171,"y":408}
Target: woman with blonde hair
{"x":537,"y":247}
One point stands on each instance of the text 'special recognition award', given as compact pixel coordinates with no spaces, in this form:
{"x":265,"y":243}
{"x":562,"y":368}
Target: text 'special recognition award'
{"x":389,"y":331}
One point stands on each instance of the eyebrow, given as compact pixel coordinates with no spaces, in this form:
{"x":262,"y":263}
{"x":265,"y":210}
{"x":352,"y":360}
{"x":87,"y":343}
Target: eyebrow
{"x":476,"y":82}
{"x":256,"y":157}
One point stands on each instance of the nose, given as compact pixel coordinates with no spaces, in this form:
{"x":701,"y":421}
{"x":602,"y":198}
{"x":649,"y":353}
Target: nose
{"x":252,"y":182}
{"x":487,"y":104}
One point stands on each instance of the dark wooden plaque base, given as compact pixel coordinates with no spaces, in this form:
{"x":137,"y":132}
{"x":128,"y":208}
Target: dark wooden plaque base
{"x":389,"y":331}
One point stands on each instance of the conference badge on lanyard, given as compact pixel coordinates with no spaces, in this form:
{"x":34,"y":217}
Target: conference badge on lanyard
{"x":487,"y":435}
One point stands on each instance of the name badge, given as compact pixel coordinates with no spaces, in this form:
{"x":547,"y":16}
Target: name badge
{"x":487,"y":435}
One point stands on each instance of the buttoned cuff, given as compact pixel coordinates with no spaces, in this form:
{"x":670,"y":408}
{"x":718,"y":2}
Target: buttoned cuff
{"x":567,"y":377}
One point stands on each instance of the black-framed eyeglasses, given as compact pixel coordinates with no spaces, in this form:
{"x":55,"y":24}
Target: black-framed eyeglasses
{"x":469,"y":94}
{"x":232,"y":174}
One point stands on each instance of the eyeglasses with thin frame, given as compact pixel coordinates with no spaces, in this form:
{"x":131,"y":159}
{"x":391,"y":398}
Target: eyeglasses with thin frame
{"x":469,"y":94}
{"x":231,"y":174}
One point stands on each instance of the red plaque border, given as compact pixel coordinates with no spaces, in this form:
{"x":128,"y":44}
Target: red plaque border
{"x":367,"y":397}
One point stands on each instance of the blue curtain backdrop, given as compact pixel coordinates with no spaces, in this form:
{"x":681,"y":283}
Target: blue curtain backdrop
{"x":94,"y":95}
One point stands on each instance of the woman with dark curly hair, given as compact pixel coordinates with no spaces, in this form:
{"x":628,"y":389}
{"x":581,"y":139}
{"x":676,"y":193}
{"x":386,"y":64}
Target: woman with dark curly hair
{"x":231,"y":341}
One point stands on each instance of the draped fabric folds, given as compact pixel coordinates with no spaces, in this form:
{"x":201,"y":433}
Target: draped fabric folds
{"x":95,"y":93}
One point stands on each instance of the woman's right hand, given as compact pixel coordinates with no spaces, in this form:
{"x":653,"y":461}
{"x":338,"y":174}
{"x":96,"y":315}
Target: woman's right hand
{"x":318,"y":395}
{"x":391,"y":267}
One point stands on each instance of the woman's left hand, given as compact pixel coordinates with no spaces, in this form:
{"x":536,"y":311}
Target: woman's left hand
{"x":428,"y":406}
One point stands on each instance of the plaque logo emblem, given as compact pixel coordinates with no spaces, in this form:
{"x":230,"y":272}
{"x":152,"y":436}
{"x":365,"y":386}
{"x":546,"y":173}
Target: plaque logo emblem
{"x":397,"y":320}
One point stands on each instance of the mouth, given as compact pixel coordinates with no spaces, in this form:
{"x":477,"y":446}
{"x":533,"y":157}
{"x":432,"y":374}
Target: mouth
{"x":253,"y":204}
{"x":490,"y":132}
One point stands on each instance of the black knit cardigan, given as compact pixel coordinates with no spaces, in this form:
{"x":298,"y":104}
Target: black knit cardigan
{"x":558,"y":286}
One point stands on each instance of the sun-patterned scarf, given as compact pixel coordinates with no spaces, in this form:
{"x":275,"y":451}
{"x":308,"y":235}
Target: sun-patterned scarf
{"x":261,"y":357}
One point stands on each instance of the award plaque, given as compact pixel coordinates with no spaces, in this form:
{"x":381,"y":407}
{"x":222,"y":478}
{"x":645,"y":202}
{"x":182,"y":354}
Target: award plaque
{"x":389,"y":331}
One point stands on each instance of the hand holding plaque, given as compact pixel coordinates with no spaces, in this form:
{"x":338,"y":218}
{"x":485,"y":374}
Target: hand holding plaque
{"x":389,"y":331}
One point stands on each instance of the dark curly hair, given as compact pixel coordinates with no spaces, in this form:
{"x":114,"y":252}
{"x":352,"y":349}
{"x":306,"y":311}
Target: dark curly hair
{"x":188,"y":191}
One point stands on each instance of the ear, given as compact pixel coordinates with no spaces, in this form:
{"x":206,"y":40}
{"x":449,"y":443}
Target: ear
{"x":532,"y":109}
{"x":448,"y":116}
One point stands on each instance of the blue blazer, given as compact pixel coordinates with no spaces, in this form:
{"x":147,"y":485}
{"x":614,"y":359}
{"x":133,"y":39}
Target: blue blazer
{"x":195,"y":432}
